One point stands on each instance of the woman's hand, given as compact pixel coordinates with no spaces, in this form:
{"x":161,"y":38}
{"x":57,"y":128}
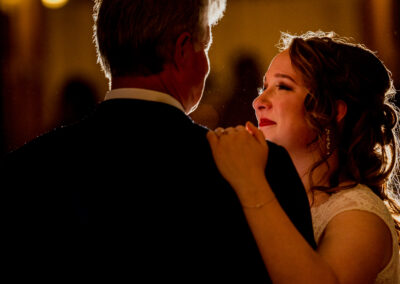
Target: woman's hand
{"x":241,"y":155}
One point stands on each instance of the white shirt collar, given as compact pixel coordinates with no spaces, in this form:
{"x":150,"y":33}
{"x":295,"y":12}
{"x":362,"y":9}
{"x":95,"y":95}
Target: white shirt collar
{"x":143,"y":94}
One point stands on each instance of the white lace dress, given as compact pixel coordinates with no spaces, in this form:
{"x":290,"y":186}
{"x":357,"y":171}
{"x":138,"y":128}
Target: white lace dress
{"x":359,"y":198}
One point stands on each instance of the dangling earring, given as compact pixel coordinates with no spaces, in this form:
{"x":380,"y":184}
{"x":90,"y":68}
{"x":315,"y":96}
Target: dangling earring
{"x":328,"y":142}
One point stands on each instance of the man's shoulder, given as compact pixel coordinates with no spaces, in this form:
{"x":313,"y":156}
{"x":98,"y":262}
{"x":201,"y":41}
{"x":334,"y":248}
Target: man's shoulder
{"x":58,"y":141}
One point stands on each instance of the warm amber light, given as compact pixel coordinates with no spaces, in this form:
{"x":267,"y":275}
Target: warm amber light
{"x":54,"y":4}
{"x":5,"y":4}
{"x":10,"y":2}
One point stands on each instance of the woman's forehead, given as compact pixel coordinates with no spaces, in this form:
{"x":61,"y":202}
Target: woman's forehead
{"x":281,"y":66}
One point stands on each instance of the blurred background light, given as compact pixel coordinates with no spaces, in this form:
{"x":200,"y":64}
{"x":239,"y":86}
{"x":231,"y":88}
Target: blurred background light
{"x":10,"y":2}
{"x":6,"y":4}
{"x":54,"y":4}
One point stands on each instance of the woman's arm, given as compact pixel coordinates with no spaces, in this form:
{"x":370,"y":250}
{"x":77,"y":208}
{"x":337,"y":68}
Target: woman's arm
{"x":346,"y":252}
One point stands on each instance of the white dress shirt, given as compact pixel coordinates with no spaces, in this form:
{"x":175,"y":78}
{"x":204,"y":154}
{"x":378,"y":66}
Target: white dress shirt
{"x":143,"y":94}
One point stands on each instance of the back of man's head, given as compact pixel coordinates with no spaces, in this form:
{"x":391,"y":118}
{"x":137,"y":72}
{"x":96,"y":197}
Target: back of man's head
{"x":137,"y":37}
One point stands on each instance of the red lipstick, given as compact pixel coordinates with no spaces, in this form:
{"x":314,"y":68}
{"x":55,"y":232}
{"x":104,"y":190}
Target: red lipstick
{"x":265,"y":122}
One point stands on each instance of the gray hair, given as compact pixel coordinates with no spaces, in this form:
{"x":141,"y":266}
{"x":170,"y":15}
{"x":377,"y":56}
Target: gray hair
{"x":137,"y":37}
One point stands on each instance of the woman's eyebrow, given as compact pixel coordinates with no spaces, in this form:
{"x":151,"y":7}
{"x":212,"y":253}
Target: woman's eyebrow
{"x":280,"y":75}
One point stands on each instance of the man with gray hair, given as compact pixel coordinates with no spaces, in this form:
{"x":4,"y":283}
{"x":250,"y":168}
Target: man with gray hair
{"x":132,"y":190}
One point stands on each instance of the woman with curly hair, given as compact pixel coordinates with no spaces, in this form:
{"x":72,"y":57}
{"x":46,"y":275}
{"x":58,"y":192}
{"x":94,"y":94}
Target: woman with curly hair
{"x":329,"y":103}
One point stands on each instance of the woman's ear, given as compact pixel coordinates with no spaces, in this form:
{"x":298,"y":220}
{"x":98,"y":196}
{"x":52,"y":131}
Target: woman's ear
{"x":341,"y":110}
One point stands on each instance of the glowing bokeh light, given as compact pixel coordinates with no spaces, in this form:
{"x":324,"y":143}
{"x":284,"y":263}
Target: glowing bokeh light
{"x":54,"y":4}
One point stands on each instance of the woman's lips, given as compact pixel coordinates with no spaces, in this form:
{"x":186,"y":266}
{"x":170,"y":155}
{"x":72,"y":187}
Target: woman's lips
{"x":265,"y":122}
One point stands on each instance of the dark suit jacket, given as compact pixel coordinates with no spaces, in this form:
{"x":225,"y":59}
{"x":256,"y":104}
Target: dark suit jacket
{"x":132,"y":191}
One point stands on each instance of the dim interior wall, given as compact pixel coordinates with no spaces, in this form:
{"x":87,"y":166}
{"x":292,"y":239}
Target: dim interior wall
{"x":22,"y":90}
{"x":382,"y":17}
{"x":69,"y":52}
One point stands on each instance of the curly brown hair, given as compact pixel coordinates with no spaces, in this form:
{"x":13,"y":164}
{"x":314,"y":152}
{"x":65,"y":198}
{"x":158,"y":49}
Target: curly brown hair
{"x":366,"y":142}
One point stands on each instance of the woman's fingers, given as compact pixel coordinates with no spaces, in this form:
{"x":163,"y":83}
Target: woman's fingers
{"x":238,"y":153}
{"x":240,"y":129}
{"x":255,"y":132}
{"x":219,"y":131}
{"x":212,"y":138}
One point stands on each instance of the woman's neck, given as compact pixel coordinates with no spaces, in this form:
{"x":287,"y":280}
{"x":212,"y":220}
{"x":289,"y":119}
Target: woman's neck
{"x":304,"y":161}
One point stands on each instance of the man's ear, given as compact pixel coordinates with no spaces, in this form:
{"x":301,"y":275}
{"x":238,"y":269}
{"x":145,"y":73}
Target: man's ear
{"x":341,"y":109}
{"x":183,"y":48}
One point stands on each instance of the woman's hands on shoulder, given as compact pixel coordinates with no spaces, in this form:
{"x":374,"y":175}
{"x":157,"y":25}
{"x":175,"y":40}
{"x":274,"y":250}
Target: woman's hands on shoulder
{"x":240,"y":154}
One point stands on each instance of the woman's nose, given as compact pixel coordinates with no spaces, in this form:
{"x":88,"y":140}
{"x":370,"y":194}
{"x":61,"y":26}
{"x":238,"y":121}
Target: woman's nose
{"x":261,"y":102}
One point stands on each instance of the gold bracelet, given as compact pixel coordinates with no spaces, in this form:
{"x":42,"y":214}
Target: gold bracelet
{"x":259,"y":205}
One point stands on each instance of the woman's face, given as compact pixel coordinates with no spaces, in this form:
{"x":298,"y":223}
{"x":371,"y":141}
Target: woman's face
{"x":280,"y":107}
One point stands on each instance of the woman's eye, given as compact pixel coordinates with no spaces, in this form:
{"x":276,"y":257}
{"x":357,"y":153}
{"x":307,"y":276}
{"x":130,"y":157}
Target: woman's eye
{"x":283,"y":87}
